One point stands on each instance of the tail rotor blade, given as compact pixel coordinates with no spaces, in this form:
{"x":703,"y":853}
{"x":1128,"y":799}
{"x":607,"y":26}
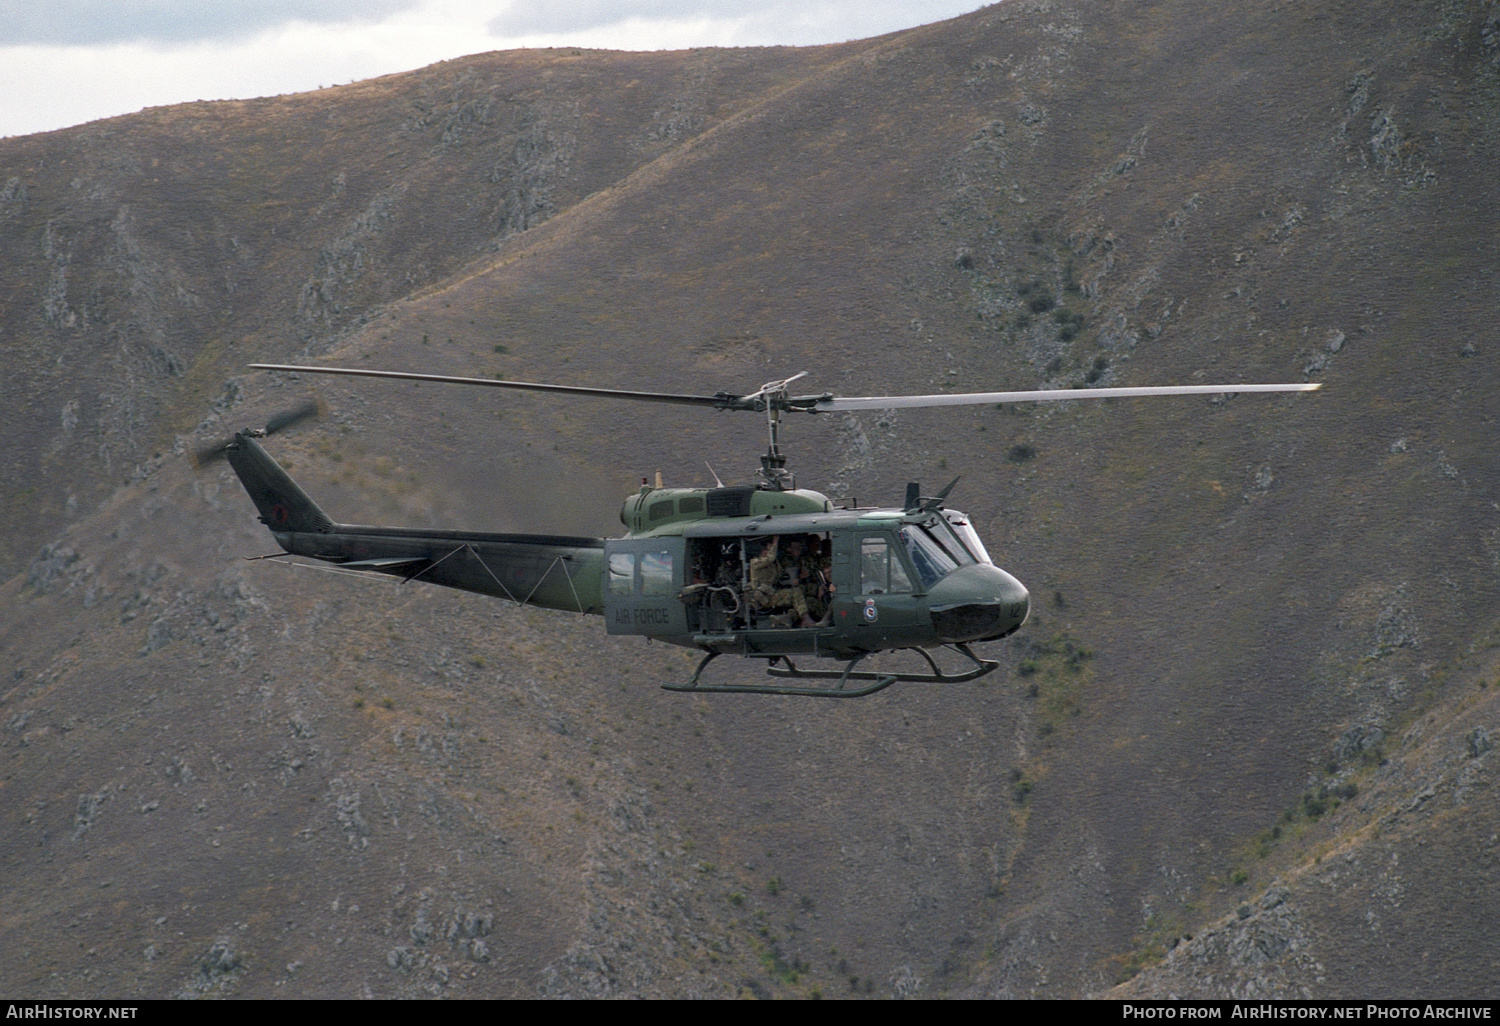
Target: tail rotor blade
{"x":206,"y":454}
{"x":288,"y":418}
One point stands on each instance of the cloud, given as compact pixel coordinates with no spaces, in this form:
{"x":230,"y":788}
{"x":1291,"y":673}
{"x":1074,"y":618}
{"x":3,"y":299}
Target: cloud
{"x":91,"y":59}
{"x":92,"y":22}
{"x":756,"y":21}
{"x":525,"y":19}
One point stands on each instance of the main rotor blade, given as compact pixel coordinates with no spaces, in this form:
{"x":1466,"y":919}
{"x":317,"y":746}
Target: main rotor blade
{"x":721,"y":401}
{"x":895,"y":402}
{"x":811,"y":404}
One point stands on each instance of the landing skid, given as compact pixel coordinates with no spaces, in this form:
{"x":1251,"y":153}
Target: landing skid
{"x":878,"y":680}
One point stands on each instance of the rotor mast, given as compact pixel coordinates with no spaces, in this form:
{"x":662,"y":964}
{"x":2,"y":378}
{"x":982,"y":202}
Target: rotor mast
{"x":773,"y":475}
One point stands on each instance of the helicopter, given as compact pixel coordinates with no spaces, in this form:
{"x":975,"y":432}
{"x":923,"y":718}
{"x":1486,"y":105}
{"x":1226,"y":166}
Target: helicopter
{"x":769,"y":571}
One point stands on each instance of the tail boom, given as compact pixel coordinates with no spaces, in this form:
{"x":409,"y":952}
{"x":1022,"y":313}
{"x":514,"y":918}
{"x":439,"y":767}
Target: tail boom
{"x":552,"y":571}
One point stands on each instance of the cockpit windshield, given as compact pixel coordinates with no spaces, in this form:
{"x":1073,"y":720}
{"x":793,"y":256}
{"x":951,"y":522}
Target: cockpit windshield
{"x":934,"y":551}
{"x":965,"y":531}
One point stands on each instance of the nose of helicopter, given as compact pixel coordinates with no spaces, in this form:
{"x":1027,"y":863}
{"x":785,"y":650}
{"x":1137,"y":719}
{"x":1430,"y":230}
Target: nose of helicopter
{"x":979,"y":602}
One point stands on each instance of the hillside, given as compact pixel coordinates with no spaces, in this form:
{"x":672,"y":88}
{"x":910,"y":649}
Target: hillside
{"x":1243,"y":747}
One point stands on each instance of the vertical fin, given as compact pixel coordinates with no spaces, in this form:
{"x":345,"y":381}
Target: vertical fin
{"x":283,"y":506}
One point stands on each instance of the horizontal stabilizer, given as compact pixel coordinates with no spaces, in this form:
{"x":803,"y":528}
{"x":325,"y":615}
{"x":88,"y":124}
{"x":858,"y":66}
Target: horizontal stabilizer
{"x":391,"y":563}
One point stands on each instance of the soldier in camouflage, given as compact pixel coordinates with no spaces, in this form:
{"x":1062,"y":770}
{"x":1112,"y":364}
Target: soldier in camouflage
{"x":766,"y":576}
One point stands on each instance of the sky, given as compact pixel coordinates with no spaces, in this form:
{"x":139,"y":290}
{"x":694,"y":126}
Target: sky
{"x":65,"y":62}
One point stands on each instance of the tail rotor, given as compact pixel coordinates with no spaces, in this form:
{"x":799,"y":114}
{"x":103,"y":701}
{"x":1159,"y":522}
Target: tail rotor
{"x":308,"y":410}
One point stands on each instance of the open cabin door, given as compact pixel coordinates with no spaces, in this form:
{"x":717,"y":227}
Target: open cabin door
{"x":642,"y":580}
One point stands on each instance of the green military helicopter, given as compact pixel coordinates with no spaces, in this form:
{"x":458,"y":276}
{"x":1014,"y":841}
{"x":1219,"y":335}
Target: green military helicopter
{"x":770,"y":572}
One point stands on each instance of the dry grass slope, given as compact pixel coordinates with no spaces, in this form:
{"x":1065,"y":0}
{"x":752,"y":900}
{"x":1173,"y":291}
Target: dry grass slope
{"x":1244,"y":746}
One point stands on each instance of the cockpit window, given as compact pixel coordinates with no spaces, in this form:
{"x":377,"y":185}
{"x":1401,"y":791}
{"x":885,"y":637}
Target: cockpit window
{"x":881,"y":571}
{"x":930,"y":558}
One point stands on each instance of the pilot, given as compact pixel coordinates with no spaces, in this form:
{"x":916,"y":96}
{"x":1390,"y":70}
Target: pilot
{"x":766,"y":573}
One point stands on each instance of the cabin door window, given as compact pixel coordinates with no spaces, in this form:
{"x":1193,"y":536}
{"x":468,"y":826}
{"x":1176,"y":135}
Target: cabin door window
{"x":622,"y":573}
{"x":641,"y":586}
{"x":656,"y":574}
